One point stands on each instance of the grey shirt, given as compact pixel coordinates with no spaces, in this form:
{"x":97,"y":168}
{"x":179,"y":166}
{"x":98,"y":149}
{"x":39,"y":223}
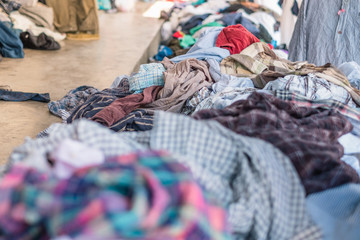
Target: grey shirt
{"x":324,"y":34}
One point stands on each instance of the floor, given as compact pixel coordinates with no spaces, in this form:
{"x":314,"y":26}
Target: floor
{"x":126,"y":41}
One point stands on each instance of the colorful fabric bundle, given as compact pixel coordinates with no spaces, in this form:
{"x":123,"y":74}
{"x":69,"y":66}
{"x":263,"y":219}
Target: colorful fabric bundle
{"x":144,"y":195}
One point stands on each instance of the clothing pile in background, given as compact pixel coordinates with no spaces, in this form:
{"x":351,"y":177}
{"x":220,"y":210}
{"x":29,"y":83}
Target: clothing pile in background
{"x":186,"y":22}
{"x":227,"y":141}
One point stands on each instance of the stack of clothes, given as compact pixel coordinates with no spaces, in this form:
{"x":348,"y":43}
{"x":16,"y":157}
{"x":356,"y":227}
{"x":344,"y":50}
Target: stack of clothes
{"x":227,"y":141}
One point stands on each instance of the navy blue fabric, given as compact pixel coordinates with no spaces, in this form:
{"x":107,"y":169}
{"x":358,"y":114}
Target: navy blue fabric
{"x":23,"y":96}
{"x":193,"y":22}
{"x":236,"y":18}
{"x":10,"y":44}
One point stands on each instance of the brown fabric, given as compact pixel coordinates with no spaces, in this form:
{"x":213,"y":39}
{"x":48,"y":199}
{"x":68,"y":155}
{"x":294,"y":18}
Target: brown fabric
{"x":182,"y":80}
{"x":262,"y":65}
{"x":75,"y":15}
{"x":123,"y":106}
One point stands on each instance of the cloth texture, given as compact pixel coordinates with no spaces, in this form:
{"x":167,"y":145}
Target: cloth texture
{"x":235,"y":38}
{"x":40,"y":14}
{"x":313,"y":87}
{"x":75,"y":15}
{"x":308,"y":136}
{"x":10,"y":44}
{"x":149,"y":75}
{"x":229,"y":19}
{"x":15,"y":96}
{"x":41,"y":42}
{"x":260,"y":63}
{"x":339,"y":32}
{"x":352,"y":72}
{"x":121,"y":107}
{"x":182,"y":80}
{"x":205,"y":47}
{"x":337,"y":212}
{"x":143,"y":195}
{"x":257,"y":183}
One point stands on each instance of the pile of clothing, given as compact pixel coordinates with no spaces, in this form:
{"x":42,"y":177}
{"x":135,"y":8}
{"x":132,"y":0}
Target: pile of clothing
{"x":227,"y":141}
{"x":186,"y":22}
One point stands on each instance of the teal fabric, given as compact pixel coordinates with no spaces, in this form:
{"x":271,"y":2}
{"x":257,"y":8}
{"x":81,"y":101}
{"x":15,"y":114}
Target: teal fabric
{"x":211,"y":24}
{"x":104,"y":4}
{"x":187,"y":41}
{"x":149,"y":75}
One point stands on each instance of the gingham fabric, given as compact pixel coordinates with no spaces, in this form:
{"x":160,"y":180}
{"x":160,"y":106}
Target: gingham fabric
{"x":301,"y":100}
{"x":149,"y":75}
{"x":308,"y":136}
{"x":260,"y":63}
{"x":195,"y":100}
{"x":312,"y":87}
{"x":259,"y":185}
{"x":144,"y":195}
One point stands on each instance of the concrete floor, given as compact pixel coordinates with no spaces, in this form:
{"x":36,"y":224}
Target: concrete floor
{"x":126,"y":40}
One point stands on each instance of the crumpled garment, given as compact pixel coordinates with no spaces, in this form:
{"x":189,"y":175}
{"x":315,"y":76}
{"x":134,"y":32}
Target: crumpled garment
{"x":195,"y":100}
{"x":225,"y":80}
{"x":235,"y":38}
{"x":40,"y":14}
{"x":308,"y":136}
{"x":261,"y":64}
{"x":75,"y":97}
{"x":24,"y":23}
{"x":41,"y":42}
{"x":121,"y":107}
{"x":182,"y":80}
{"x":149,"y":75}
{"x":225,"y":98}
{"x":229,"y":19}
{"x":256,"y":181}
{"x":352,"y":72}
{"x":10,"y":44}
{"x":337,"y":212}
{"x":312,"y":87}
{"x":210,"y":24}
{"x":193,"y":22}
{"x":143,"y":195}
{"x":205,"y":47}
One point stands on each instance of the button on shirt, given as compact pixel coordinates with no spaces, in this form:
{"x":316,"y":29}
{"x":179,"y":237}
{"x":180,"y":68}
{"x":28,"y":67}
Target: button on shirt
{"x":327,"y":32}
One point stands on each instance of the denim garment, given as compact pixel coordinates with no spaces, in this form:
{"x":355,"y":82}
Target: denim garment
{"x":10,"y":44}
{"x":23,"y":96}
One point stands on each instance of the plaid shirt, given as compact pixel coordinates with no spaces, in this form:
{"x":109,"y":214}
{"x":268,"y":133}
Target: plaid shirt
{"x":149,"y":75}
{"x":257,"y":183}
{"x":144,"y":195}
{"x":260,"y":63}
{"x":308,"y":136}
{"x":70,"y":101}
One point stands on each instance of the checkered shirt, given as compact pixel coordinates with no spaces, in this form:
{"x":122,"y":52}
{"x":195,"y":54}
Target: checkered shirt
{"x":149,"y":75}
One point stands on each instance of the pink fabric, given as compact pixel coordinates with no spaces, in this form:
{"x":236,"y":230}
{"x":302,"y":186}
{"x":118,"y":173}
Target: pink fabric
{"x":235,"y":38}
{"x":123,"y":106}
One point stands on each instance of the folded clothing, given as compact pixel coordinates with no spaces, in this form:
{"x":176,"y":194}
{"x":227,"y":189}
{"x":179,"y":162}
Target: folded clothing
{"x":235,"y":38}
